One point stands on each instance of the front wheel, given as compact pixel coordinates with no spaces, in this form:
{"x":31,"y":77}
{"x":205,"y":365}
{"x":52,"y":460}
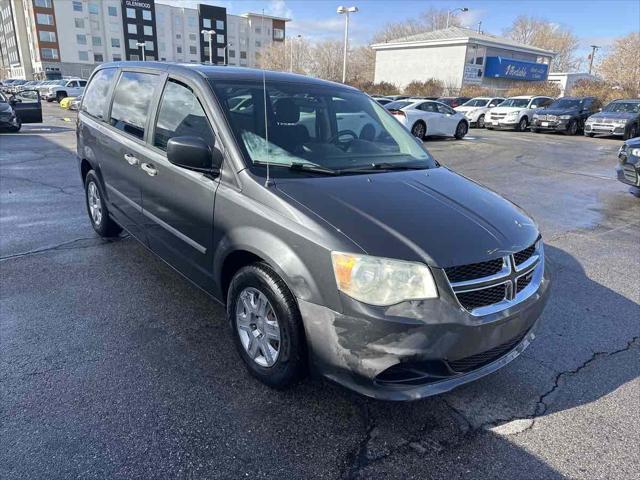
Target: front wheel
{"x":480,"y":122}
{"x":631,"y":132}
{"x":535,"y":130}
{"x":419,"y":130}
{"x":589,"y":134}
{"x":572,"y":128}
{"x":60,"y":96}
{"x":101,"y":221}
{"x":522,"y":124}
{"x":16,"y":128}
{"x":266,"y":326}
{"x":461,"y":130}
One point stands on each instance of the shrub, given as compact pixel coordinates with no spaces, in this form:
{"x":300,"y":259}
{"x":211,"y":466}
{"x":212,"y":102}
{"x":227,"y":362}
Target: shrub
{"x":603,"y":91}
{"x":380,"y":88}
{"x":428,"y":88}
{"x":476,"y":91}
{"x":549,"y":89}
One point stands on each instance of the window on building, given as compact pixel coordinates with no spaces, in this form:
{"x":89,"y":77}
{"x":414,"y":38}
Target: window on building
{"x":278,"y":34}
{"x":84,"y":56}
{"x":243,"y":55}
{"x":178,"y":49}
{"x":49,"y":53}
{"x":219,"y":38}
{"x":131,"y":13}
{"x":192,"y":21}
{"x":44,"y":19}
{"x":150,"y":57}
{"x":81,"y":39}
{"x":131,"y":101}
{"x":47,"y":36}
{"x":94,"y":8}
{"x":232,"y":54}
{"x":258,"y":44}
{"x":95,"y":25}
{"x":134,"y":57}
{"x":193,"y":50}
{"x":98,"y":58}
{"x":117,"y":57}
{"x":77,"y":6}
{"x":133,"y":44}
{"x":219,"y":24}
{"x":43,"y":3}
{"x":206,"y":22}
{"x":95,"y":96}
{"x":163,"y":59}
{"x":113,"y":11}
{"x":258,"y":31}
{"x":177,"y":21}
{"x":178,"y":36}
{"x":149,"y":45}
{"x":181,"y":114}
{"x":96,"y":41}
{"x":148,"y":30}
{"x":146,"y":15}
{"x":162,"y":46}
{"x":132,"y":28}
{"x":79,"y":23}
{"x":115,"y":42}
{"x":192,"y":37}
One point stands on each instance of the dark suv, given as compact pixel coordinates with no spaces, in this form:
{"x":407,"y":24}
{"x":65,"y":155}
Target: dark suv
{"x":332,"y":236}
{"x":620,"y":118}
{"x":566,"y":115}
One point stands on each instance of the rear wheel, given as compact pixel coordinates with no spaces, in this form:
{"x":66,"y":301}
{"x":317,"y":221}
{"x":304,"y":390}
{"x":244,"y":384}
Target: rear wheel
{"x":101,"y":221}
{"x":60,"y":96}
{"x":522,"y":124}
{"x":419,"y":130}
{"x":480,"y":122}
{"x":461,"y":130}
{"x":266,"y":326}
{"x":631,"y":132}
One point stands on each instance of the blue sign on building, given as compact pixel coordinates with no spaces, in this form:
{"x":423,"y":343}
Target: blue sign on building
{"x":499,"y":67}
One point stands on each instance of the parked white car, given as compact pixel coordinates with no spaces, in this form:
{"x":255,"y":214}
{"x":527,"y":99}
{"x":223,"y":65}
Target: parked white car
{"x":476,"y":109}
{"x":427,"y":117}
{"x":67,"y":87}
{"x":515,"y":113}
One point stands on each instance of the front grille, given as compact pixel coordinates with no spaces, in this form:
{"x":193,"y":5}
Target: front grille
{"x":483,"y":297}
{"x":524,"y":255}
{"x":498,"y":116}
{"x":478,"y":360}
{"x":523,"y":282}
{"x":629,"y":172}
{"x":474,"y":271}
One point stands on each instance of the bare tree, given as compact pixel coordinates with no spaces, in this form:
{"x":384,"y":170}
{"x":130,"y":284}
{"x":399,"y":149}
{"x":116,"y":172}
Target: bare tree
{"x":429,"y":20}
{"x":294,"y":54}
{"x":621,"y":66}
{"x":542,"y":33}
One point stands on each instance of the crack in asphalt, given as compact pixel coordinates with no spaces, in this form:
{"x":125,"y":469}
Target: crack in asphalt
{"x":62,"y":245}
{"x":44,"y":184}
{"x":518,"y":159}
{"x":360,"y":457}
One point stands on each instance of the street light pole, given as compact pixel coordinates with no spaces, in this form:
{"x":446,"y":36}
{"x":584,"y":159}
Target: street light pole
{"x":594,"y":48}
{"x":291,"y":64}
{"x":211,"y":33}
{"x":346,"y":11}
{"x":142,"y":45}
{"x":226,"y":52}
{"x":449,"y":12}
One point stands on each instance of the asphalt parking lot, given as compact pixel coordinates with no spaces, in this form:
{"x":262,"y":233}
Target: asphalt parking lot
{"x":114,"y":366}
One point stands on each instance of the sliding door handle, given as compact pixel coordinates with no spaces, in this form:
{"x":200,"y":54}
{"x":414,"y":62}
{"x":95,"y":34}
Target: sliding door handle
{"x":131,"y":160}
{"x":150,"y":169}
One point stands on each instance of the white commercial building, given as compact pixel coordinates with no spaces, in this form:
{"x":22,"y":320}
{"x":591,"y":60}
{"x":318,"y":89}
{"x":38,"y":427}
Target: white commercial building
{"x":566,"y":81}
{"x":457,"y":56}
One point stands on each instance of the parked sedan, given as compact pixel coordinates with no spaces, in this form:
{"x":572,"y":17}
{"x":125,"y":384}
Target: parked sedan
{"x":628,"y":170}
{"x":476,"y":109}
{"x":620,"y":118}
{"x":567,"y":115}
{"x":15,"y":110}
{"x":427,"y":117}
{"x":453,"y":102}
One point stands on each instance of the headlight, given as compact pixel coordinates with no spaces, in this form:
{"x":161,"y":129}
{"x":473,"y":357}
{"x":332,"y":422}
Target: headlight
{"x":620,"y":122}
{"x":382,"y":281}
{"x":565,"y":117}
{"x":635,"y":152}
{"x":513,"y":114}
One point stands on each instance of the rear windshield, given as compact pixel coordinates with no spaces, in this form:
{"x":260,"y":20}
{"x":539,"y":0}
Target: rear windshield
{"x":623,"y":107}
{"x":317,"y":126}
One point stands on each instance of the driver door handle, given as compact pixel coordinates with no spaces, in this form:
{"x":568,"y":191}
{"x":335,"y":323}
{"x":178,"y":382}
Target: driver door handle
{"x":150,"y":169}
{"x":131,"y":160}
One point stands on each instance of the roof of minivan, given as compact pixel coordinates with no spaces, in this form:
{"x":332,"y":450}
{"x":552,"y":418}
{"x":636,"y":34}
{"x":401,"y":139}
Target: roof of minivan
{"x":225,"y":72}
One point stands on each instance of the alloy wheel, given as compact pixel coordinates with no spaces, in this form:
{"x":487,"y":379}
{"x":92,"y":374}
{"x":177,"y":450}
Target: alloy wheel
{"x":258,"y":327}
{"x":481,"y":121}
{"x":95,"y":203}
{"x":418,"y":130}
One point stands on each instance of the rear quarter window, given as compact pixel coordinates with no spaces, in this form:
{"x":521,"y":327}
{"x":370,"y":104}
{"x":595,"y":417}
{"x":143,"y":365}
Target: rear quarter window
{"x":95,"y":97}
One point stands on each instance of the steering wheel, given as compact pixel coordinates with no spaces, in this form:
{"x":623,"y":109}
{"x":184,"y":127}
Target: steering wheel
{"x":336,"y":138}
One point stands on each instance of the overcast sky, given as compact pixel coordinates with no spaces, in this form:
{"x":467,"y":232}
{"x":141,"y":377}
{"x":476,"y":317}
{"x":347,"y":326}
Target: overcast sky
{"x":594,"y":21}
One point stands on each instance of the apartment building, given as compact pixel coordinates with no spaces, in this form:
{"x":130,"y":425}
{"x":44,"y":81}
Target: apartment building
{"x":70,"y":37}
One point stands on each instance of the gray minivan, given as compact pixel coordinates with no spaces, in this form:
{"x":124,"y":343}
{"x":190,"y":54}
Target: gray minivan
{"x":337,"y":243}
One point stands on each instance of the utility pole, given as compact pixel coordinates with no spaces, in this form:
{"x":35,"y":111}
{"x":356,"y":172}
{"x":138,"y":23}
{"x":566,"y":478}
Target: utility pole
{"x":594,"y":48}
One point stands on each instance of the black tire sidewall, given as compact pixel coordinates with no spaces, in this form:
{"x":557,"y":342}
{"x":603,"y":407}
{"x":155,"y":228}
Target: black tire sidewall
{"x":424,"y":127}
{"x":466,"y":130}
{"x":522,"y":124}
{"x":291,"y":362}
{"x":478,"y":123}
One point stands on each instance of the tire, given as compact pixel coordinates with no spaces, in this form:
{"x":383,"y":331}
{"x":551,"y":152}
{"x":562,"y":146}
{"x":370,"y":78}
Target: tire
{"x":480,"y":122}
{"x":103,"y":224}
{"x":419,"y":130}
{"x":16,"y":128}
{"x":522,"y":124}
{"x":589,"y":134}
{"x":572,"y":128}
{"x":288,"y":362}
{"x":535,"y":130}
{"x":60,"y":96}
{"x":461,"y":130}
{"x":631,"y":132}
{"x":489,"y":128}
{"x":49,"y":100}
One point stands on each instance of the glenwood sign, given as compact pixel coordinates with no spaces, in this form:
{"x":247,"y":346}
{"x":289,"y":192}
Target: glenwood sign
{"x":136,"y":4}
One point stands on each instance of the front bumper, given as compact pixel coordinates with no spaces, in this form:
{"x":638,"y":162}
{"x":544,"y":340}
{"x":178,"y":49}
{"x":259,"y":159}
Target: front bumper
{"x":628,"y":170}
{"x":7,"y":120}
{"x":551,"y":126}
{"x":355,"y":348}
{"x":502,"y":124}
{"x":604,"y":129}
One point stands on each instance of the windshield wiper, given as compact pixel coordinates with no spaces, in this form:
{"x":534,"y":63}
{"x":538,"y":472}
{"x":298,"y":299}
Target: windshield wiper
{"x":308,"y":167}
{"x":383,"y":166}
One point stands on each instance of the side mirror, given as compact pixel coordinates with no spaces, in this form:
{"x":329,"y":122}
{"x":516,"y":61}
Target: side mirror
{"x":13,"y":100}
{"x":193,"y":153}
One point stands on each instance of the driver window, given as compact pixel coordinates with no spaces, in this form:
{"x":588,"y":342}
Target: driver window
{"x":443,"y":109}
{"x":180,"y":114}
{"x":72,"y":84}
{"x":428,"y":107}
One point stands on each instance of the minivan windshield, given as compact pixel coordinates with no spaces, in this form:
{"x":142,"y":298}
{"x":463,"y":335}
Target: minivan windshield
{"x":323,"y":129}
{"x":476,"y":102}
{"x":516,"y":102}
{"x":565,"y":104}
{"x":623,"y":107}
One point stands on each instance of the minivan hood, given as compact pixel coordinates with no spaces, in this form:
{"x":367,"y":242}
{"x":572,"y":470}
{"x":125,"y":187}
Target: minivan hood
{"x":435,"y":215}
